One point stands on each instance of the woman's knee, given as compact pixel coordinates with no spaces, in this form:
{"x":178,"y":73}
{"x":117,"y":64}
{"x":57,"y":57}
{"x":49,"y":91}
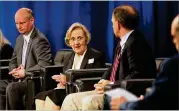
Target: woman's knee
{"x":39,"y":104}
{"x":38,"y":101}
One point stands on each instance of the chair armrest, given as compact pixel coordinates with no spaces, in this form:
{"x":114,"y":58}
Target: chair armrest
{"x":4,"y":62}
{"x":86,"y":84}
{"x":41,"y":81}
{"x":73,"y":75}
{"x":125,"y":83}
{"x":111,"y":86}
{"x":136,"y":86}
{"x":45,"y":75}
{"x":4,"y":67}
{"x":34,"y":86}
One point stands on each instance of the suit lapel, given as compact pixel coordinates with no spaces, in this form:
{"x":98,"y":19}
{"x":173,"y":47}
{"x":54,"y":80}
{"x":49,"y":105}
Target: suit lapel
{"x":85,"y":59}
{"x":29,"y":44}
{"x":120,"y":76}
{"x":70,"y":63}
{"x":21,"y":49}
{"x":127,"y":42}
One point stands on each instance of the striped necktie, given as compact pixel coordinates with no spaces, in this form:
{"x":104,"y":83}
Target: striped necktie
{"x":24,"y":52}
{"x":116,"y":63}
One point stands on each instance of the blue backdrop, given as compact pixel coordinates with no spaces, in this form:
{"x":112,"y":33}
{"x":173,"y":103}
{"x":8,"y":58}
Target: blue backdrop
{"x":53,"y":18}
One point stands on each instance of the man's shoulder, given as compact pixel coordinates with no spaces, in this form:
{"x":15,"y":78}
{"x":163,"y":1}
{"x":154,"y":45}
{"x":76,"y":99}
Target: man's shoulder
{"x":137,"y":39}
{"x":38,"y":36}
{"x":173,"y":61}
{"x":136,"y":35}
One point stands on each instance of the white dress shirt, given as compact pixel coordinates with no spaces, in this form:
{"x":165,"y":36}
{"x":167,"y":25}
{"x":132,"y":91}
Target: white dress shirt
{"x":25,"y":46}
{"x":78,"y":60}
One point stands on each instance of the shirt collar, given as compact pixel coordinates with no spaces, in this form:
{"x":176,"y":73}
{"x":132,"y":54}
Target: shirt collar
{"x":27,"y":37}
{"x":82,"y":54}
{"x":125,"y":37}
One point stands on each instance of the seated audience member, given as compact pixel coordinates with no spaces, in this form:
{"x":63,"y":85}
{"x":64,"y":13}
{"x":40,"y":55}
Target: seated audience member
{"x":32,"y":51}
{"x":6,"y":49}
{"x":133,"y":59}
{"x":83,"y":57}
{"x":164,"y":92}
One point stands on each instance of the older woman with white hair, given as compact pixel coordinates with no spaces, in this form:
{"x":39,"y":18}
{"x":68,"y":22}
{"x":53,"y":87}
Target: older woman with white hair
{"x":6,"y":49}
{"x":83,"y":57}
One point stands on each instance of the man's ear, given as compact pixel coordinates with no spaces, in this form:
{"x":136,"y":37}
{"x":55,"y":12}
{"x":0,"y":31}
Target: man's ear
{"x":119,"y":24}
{"x":32,"y":20}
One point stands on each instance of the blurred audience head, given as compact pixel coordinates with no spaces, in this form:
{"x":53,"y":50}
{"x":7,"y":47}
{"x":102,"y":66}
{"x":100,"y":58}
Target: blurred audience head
{"x":3,"y":40}
{"x":124,"y":17}
{"x":175,"y":31}
{"x":77,"y":37}
{"x":24,"y":20}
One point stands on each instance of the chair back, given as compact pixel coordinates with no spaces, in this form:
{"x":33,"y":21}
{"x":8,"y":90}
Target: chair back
{"x":160,"y":63}
{"x":60,"y":56}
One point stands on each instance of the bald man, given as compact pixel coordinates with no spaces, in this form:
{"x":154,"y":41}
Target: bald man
{"x":133,"y":59}
{"x":164,"y":92}
{"x":32,"y":51}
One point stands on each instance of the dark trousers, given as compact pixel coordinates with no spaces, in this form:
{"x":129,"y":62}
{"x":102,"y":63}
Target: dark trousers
{"x":12,"y":94}
{"x":107,"y":100}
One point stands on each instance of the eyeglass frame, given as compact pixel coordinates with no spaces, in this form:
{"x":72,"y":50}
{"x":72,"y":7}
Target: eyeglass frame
{"x":73,"y":39}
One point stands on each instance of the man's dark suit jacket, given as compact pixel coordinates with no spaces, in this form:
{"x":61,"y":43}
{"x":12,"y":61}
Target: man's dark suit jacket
{"x":164,"y":94}
{"x":38,"y":53}
{"x":136,"y":61}
{"x":99,"y":60}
